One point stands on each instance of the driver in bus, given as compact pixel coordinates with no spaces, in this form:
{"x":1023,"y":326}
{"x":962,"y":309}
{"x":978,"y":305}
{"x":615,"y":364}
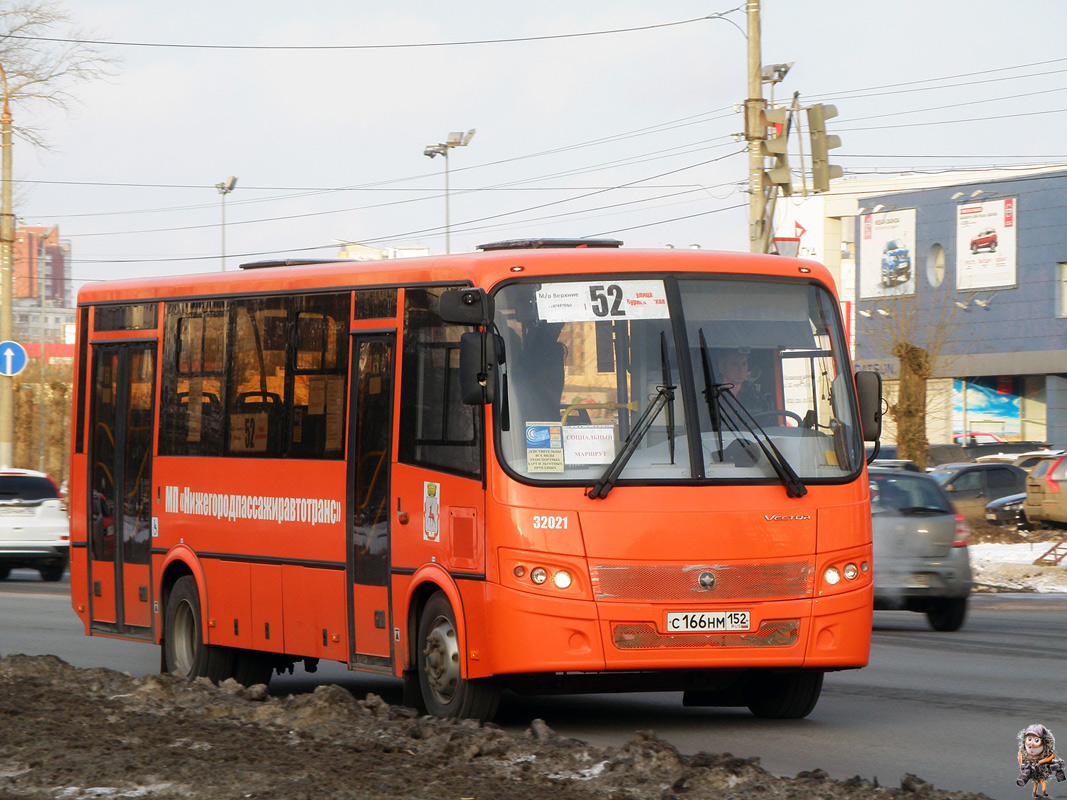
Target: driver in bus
{"x":731,"y":369}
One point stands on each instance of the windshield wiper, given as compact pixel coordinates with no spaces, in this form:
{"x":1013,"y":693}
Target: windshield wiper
{"x":736,"y":415}
{"x":739,"y":417}
{"x":669,"y":383}
{"x":600,"y":489}
{"x":711,"y":391}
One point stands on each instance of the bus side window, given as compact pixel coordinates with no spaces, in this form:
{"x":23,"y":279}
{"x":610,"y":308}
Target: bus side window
{"x":437,"y":429}
{"x":320,"y":361}
{"x":256,"y":410}
{"x":193,"y":365}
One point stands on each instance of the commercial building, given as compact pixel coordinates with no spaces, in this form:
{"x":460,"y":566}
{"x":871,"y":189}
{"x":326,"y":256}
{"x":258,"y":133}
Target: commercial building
{"x":969,"y":265}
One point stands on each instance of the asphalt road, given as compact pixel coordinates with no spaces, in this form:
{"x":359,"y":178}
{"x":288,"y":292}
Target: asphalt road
{"x":943,"y":706}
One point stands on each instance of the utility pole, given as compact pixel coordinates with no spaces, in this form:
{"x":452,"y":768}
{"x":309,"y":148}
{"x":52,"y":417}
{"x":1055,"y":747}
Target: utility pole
{"x":7,"y":247}
{"x":42,"y":405}
{"x":755,"y":131}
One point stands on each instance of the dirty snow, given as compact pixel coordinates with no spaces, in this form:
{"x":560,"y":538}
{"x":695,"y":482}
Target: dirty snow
{"x":1010,"y":567}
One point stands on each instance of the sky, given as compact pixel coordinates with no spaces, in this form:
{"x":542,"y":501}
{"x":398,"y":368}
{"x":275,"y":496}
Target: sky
{"x":322,"y":110}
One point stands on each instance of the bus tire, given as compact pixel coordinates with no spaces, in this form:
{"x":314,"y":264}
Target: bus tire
{"x":184,"y":651}
{"x":783,"y":695}
{"x":444,"y":691}
{"x":251,"y":668}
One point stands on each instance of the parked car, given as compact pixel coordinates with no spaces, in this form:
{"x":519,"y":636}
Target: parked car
{"x":896,"y":463}
{"x":976,"y":437}
{"x":985,"y":240}
{"x":896,"y":263}
{"x":1007,"y":512}
{"x":1046,"y":492}
{"x":34,"y":527}
{"x":936,"y":454}
{"x":921,"y":557}
{"x":972,"y":485}
{"x":977,"y":450}
{"x":1029,"y":460}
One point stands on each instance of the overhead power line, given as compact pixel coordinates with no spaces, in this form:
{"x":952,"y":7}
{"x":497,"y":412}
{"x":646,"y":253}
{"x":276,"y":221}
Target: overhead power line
{"x":387,"y":46}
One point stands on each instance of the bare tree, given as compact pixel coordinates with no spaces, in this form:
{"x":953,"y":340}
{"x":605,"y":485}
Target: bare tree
{"x":43,"y":56}
{"x":918,"y":331}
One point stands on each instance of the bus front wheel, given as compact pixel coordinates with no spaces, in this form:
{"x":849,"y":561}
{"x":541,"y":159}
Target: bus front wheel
{"x":184,"y":651}
{"x":783,"y":695}
{"x":444,"y":691}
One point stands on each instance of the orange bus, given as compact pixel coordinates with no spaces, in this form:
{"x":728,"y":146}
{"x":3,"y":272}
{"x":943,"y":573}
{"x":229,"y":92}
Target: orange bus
{"x":550,"y":466}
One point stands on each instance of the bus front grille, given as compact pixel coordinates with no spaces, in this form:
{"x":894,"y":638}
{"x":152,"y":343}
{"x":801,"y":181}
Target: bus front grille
{"x":783,"y":580}
{"x":644,"y":636}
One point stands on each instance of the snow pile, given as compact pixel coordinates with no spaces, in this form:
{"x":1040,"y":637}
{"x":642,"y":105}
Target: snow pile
{"x":1010,"y":567}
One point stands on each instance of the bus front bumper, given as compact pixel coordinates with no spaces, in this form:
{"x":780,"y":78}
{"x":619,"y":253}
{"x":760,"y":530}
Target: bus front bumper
{"x":535,"y":634}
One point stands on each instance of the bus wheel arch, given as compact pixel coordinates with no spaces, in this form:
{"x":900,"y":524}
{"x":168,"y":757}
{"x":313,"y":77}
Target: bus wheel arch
{"x":184,"y":650}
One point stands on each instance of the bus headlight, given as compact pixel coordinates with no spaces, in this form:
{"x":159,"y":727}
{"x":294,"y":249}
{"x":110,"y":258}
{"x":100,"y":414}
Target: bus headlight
{"x":562,"y":579}
{"x":538,"y":575}
{"x":851,"y":571}
{"x":832,"y":576}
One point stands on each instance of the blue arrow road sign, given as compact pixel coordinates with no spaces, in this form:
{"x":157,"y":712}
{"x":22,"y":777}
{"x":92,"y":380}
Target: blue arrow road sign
{"x":12,"y":358}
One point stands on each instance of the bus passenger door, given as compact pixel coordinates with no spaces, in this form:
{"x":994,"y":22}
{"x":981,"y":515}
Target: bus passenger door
{"x":368,"y":530}
{"x":120,"y":542}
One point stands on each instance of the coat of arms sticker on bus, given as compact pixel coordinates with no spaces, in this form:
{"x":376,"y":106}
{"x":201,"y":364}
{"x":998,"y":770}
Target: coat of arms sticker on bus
{"x":431,"y":511}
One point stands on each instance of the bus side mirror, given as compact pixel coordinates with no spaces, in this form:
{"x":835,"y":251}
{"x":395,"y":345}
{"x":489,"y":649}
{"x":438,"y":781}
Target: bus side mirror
{"x":478,"y":364}
{"x":869,"y":395}
{"x":465,"y":307}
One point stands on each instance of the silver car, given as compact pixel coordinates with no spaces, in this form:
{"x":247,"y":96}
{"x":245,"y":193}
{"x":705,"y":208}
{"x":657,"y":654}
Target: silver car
{"x":921,"y":561}
{"x":34,"y":527}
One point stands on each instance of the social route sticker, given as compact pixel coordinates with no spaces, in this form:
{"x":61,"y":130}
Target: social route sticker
{"x":589,"y":444}
{"x":596,"y":301}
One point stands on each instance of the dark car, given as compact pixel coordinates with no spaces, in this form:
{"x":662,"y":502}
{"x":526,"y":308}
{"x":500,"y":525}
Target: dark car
{"x":1008,"y":512}
{"x":976,"y":450}
{"x":936,"y":454}
{"x":34,"y":528}
{"x":971,"y":486}
{"x":921,"y":558}
{"x":896,"y":463}
{"x":896,"y":263}
{"x":985,"y":240}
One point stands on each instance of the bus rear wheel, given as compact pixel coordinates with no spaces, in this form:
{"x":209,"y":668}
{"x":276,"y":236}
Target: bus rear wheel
{"x":783,"y":695}
{"x":184,"y":651}
{"x":445,"y":692}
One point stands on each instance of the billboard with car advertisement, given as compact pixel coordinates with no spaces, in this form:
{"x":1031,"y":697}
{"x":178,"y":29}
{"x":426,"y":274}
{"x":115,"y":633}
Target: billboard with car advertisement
{"x":985,"y":243}
{"x":887,"y":254}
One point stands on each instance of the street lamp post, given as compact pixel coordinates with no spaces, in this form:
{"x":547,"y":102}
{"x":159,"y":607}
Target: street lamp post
{"x":7,"y":293}
{"x":455,"y":139}
{"x":224,"y":189}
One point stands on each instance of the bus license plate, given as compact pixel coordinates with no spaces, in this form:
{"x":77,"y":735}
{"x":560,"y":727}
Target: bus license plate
{"x":707,"y":621}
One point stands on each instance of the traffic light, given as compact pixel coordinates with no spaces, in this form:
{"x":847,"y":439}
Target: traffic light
{"x":822,"y":171}
{"x":780,"y":174}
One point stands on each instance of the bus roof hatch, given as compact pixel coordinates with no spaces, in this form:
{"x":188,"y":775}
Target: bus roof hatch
{"x":540,"y":244}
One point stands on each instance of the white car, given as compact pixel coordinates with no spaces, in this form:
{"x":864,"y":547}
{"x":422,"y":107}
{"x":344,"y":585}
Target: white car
{"x":34,"y":526}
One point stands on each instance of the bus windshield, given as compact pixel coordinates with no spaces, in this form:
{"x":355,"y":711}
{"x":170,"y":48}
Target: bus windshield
{"x":696,"y":379}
